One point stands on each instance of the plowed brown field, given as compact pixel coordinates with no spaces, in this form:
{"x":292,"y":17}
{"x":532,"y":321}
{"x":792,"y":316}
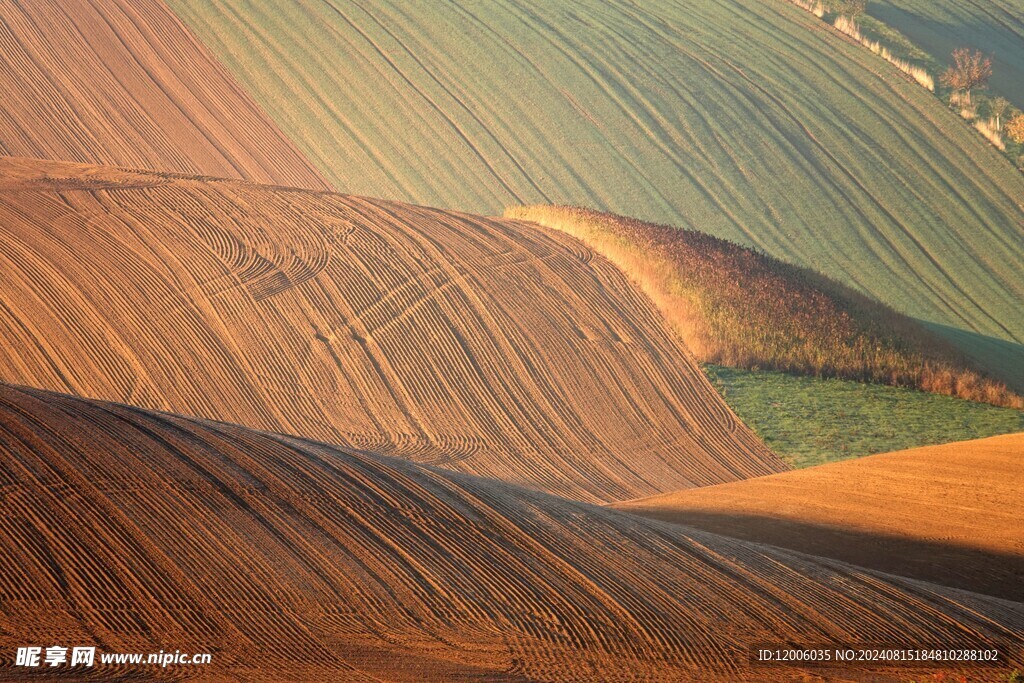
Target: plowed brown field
{"x":949,"y":514}
{"x":125,"y":83}
{"x":481,"y":345}
{"x":139,"y":531}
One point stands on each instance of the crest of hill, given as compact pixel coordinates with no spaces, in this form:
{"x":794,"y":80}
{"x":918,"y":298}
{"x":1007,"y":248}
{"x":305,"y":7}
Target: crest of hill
{"x":291,"y":560}
{"x":939,"y":513}
{"x":750,"y":121}
{"x":124,"y":83}
{"x":734,"y":306}
{"x":481,"y":345}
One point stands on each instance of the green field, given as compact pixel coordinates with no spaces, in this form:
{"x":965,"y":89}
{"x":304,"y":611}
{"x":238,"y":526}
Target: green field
{"x":752,"y":121}
{"x":810,"y":421}
{"x":939,"y":26}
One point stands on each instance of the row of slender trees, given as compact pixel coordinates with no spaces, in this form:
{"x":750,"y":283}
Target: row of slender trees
{"x":971,"y":70}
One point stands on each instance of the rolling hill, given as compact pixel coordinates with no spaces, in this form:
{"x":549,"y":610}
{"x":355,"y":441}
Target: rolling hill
{"x":738,"y":307}
{"x":481,"y":345}
{"x":994,"y":26}
{"x":946,"y":514}
{"x":126,"y":84}
{"x":328,"y":437}
{"x":751,"y":121}
{"x":285,"y":559}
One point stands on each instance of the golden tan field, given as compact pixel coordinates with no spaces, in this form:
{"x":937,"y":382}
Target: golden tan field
{"x":480,"y":345}
{"x":328,"y":437}
{"x":125,"y":83}
{"x":292,"y":560}
{"x":947,"y":513}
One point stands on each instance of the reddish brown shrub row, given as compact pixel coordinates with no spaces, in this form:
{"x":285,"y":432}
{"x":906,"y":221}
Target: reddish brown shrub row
{"x":738,"y":307}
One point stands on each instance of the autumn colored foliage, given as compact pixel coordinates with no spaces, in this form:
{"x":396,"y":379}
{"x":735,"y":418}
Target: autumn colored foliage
{"x":1015,"y":128}
{"x":971,"y":69}
{"x":738,"y":307}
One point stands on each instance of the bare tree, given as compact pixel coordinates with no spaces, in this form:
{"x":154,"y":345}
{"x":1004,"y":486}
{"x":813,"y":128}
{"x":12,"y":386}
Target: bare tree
{"x":971,"y":69}
{"x":997,"y":107}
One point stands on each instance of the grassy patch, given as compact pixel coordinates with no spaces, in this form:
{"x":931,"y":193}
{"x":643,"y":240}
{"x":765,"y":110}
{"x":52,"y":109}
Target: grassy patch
{"x":811,"y":421}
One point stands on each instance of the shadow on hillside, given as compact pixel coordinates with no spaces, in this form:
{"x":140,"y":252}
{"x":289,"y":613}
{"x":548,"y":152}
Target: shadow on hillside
{"x":938,"y":39}
{"x":981,"y":571}
{"x":1003,"y":359}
